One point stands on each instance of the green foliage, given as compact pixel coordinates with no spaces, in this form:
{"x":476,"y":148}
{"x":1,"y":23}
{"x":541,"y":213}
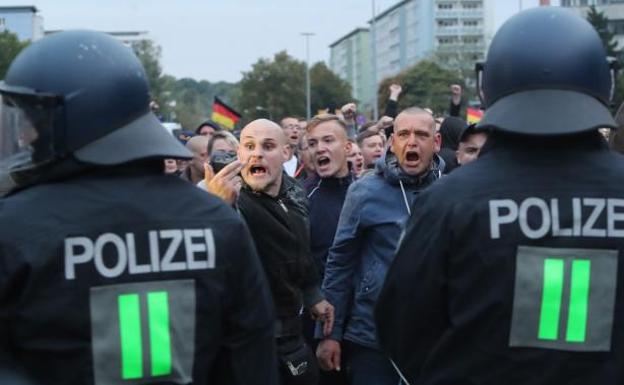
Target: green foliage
{"x":193,"y":99}
{"x":273,"y":88}
{"x":425,"y":85}
{"x":149,"y":55}
{"x":276,"y":88}
{"x":327,"y":90}
{"x":600,"y":21}
{"x":186,"y":101}
{"x":10,"y":46}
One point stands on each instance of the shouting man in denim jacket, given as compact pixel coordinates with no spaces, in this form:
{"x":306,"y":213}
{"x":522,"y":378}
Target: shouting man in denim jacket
{"x":371,"y":221}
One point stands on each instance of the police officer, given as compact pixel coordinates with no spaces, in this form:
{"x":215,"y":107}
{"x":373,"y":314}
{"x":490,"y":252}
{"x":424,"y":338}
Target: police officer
{"x":110,"y":271}
{"x":508,"y":272}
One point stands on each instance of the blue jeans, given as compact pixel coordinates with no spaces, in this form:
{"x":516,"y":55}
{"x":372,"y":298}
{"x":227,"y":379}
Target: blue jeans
{"x":366,"y":366}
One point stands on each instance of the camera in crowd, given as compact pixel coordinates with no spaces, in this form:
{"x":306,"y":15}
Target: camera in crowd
{"x":221,"y":158}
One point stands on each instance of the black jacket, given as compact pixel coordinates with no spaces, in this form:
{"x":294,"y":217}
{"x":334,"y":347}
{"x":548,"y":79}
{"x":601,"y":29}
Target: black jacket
{"x":281,"y":231}
{"x":325,"y":199}
{"x":508,"y":270}
{"x":125,"y":272}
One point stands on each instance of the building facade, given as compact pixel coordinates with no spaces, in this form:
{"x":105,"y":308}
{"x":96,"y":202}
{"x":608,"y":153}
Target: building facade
{"x":408,"y":32}
{"x":350,"y":58}
{"x":463,"y":29}
{"x":612,"y":9}
{"x":404,"y":35}
{"x":23,"y":21}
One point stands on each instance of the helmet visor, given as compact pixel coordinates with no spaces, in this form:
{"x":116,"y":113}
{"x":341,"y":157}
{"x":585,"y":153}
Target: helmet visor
{"x":25,"y":134}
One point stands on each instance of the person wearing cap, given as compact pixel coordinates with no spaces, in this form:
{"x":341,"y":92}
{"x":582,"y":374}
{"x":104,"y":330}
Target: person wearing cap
{"x":102,"y":280}
{"x":511,"y":272}
{"x":450,"y":131}
{"x":208,"y":128}
{"x":471,"y":141}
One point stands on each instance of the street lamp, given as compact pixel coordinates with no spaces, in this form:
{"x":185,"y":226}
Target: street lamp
{"x":308,"y":107}
{"x":374,"y":63}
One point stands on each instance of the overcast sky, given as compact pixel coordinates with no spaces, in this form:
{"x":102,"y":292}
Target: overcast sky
{"x":218,"y":39}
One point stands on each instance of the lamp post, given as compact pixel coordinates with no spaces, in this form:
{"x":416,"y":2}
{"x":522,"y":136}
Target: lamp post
{"x":308,"y":106}
{"x":374,"y":64}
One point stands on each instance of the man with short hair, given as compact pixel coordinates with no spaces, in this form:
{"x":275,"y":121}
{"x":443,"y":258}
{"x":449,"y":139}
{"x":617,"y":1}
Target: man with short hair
{"x":371,"y":221}
{"x":194,"y":171}
{"x":328,"y":147}
{"x":275,"y":211}
{"x":290,"y":125}
{"x":371,"y":144}
{"x":511,"y":272}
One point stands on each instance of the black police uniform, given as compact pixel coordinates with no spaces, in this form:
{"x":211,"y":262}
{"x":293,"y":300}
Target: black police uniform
{"x":465,"y":302}
{"x":127,"y":276}
{"x":508,"y":269}
{"x":110,"y":271}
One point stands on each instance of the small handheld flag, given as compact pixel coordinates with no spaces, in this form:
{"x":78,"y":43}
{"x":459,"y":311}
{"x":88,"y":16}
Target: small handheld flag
{"x":473,"y":115}
{"x":223,"y":114}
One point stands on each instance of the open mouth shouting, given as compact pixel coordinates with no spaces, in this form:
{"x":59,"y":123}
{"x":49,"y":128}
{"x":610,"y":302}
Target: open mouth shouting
{"x":322,"y":161}
{"x":412,"y":157}
{"x":257,"y":170}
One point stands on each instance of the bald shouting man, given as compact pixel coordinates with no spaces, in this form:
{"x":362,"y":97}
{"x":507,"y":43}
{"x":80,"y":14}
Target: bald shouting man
{"x":275,"y":210}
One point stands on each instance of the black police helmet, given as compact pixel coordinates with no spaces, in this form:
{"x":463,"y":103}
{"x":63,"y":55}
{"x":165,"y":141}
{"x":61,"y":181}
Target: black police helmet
{"x":102,"y":99}
{"x":546,"y":73}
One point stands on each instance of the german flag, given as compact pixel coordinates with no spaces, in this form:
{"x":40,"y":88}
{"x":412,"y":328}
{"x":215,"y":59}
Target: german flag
{"x":223,"y":114}
{"x":473,"y":115}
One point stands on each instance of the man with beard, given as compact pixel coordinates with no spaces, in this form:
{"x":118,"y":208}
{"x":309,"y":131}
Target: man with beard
{"x":371,"y":221}
{"x":274,"y":208}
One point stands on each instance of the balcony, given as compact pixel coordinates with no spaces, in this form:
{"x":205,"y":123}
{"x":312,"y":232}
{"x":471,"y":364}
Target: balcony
{"x":458,"y":31}
{"x":459,"y":13}
{"x":462,"y":48}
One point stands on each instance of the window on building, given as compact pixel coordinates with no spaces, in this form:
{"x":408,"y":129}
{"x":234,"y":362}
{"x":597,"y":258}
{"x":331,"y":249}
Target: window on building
{"x":447,"y":22}
{"x":472,"y":5}
{"x":445,"y":6}
{"x":616,"y":26}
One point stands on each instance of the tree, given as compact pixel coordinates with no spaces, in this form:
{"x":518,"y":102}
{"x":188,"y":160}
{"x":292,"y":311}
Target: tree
{"x":424,"y":85}
{"x":273,"y":88}
{"x":327,"y":90}
{"x":10,"y":47}
{"x":600,"y":23}
{"x":149,"y":55}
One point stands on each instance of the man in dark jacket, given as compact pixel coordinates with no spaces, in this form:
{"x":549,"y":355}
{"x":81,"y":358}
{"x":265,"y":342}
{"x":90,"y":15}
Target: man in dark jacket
{"x":328,"y":146}
{"x":368,"y":232}
{"x":100,"y":281}
{"x":274,"y":208}
{"x":509,"y":272}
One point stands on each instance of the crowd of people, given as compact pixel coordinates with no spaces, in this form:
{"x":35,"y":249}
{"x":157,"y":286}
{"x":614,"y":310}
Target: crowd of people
{"x":414,"y":249}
